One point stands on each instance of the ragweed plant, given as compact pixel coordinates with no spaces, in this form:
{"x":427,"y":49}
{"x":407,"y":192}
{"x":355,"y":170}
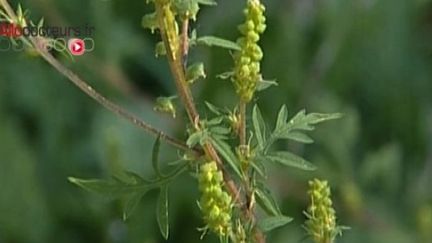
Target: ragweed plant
{"x":228,"y":156}
{"x":321,"y":222}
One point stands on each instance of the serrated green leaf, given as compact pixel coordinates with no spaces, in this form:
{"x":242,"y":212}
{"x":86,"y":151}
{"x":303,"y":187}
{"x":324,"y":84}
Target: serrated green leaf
{"x":301,"y":121}
{"x":155,"y":157}
{"x":219,"y":42}
{"x":298,"y":137}
{"x":259,"y":168}
{"x":162,"y":212}
{"x":110,"y":188}
{"x":266,"y":201}
{"x":290,"y":159}
{"x":282,"y":117}
{"x":315,"y":118}
{"x":225,"y":150}
{"x":259,"y":127}
{"x":271,"y":223}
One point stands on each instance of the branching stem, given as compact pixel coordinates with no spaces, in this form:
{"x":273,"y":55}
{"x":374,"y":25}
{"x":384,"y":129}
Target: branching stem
{"x":175,"y":58}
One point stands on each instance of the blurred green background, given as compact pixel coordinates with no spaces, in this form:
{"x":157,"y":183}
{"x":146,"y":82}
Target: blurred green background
{"x":369,"y":59}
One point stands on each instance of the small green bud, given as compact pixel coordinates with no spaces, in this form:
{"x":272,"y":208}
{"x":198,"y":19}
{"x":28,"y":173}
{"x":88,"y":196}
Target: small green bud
{"x":195,"y":72}
{"x":149,"y":21}
{"x":321,"y":222}
{"x":247,"y":60}
{"x":165,"y":104}
{"x":160,"y":49}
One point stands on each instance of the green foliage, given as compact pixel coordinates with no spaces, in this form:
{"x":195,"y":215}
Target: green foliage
{"x":216,"y":41}
{"x":375,"y":154}
{"x":162,"y":212}
{"x":271,"y":223}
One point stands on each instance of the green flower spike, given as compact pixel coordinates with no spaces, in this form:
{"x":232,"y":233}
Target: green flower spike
{"x":321,"y":223}
{"x":247,"y":60}
{"x":215,"y":202}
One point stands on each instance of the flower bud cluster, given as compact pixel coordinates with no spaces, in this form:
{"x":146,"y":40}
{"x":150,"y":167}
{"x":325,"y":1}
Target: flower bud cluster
{"x":247,"y":60}
{"x":321,"y":223}
{"x":215,"y":203}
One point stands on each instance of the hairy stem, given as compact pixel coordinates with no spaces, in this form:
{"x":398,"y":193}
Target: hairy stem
{"x":185,"y":40}
{"x":178,"y":71}
{"x":242,"y":129}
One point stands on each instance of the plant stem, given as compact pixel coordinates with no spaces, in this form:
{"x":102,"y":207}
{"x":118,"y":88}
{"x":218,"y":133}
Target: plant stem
{"x":177,"y":69}
{"x":242,"y":129}
{"x":185,"y":41}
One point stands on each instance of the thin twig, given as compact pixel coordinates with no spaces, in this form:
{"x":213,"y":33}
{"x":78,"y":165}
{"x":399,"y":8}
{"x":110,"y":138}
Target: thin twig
{"x":86,"y":88}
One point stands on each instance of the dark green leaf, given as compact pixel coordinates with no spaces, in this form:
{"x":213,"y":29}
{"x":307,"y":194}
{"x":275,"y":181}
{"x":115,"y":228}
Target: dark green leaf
{"x":266,"y":201}
{"x":131,"y":202}
{"x":155,"y":157}
{"x":259,"y":167}
{"x":219,"y":42}
{"x":301,"y":121}
{"x":259,"y":126}
{"x":111,"y":188}
{"x":162,"y":212}
{"x":282,"y":117}
{"x":272,"y":223}
{"x":290,"y":159}
{"x":225,"y":150}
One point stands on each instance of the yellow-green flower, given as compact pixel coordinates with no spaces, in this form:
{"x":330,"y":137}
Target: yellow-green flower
{"x":215,"y":202}
{"x":247,"y":61}
{"x":321,"y":223}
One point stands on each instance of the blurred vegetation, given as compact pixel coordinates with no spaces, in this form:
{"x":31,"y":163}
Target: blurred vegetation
{"x":370,"y":59}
